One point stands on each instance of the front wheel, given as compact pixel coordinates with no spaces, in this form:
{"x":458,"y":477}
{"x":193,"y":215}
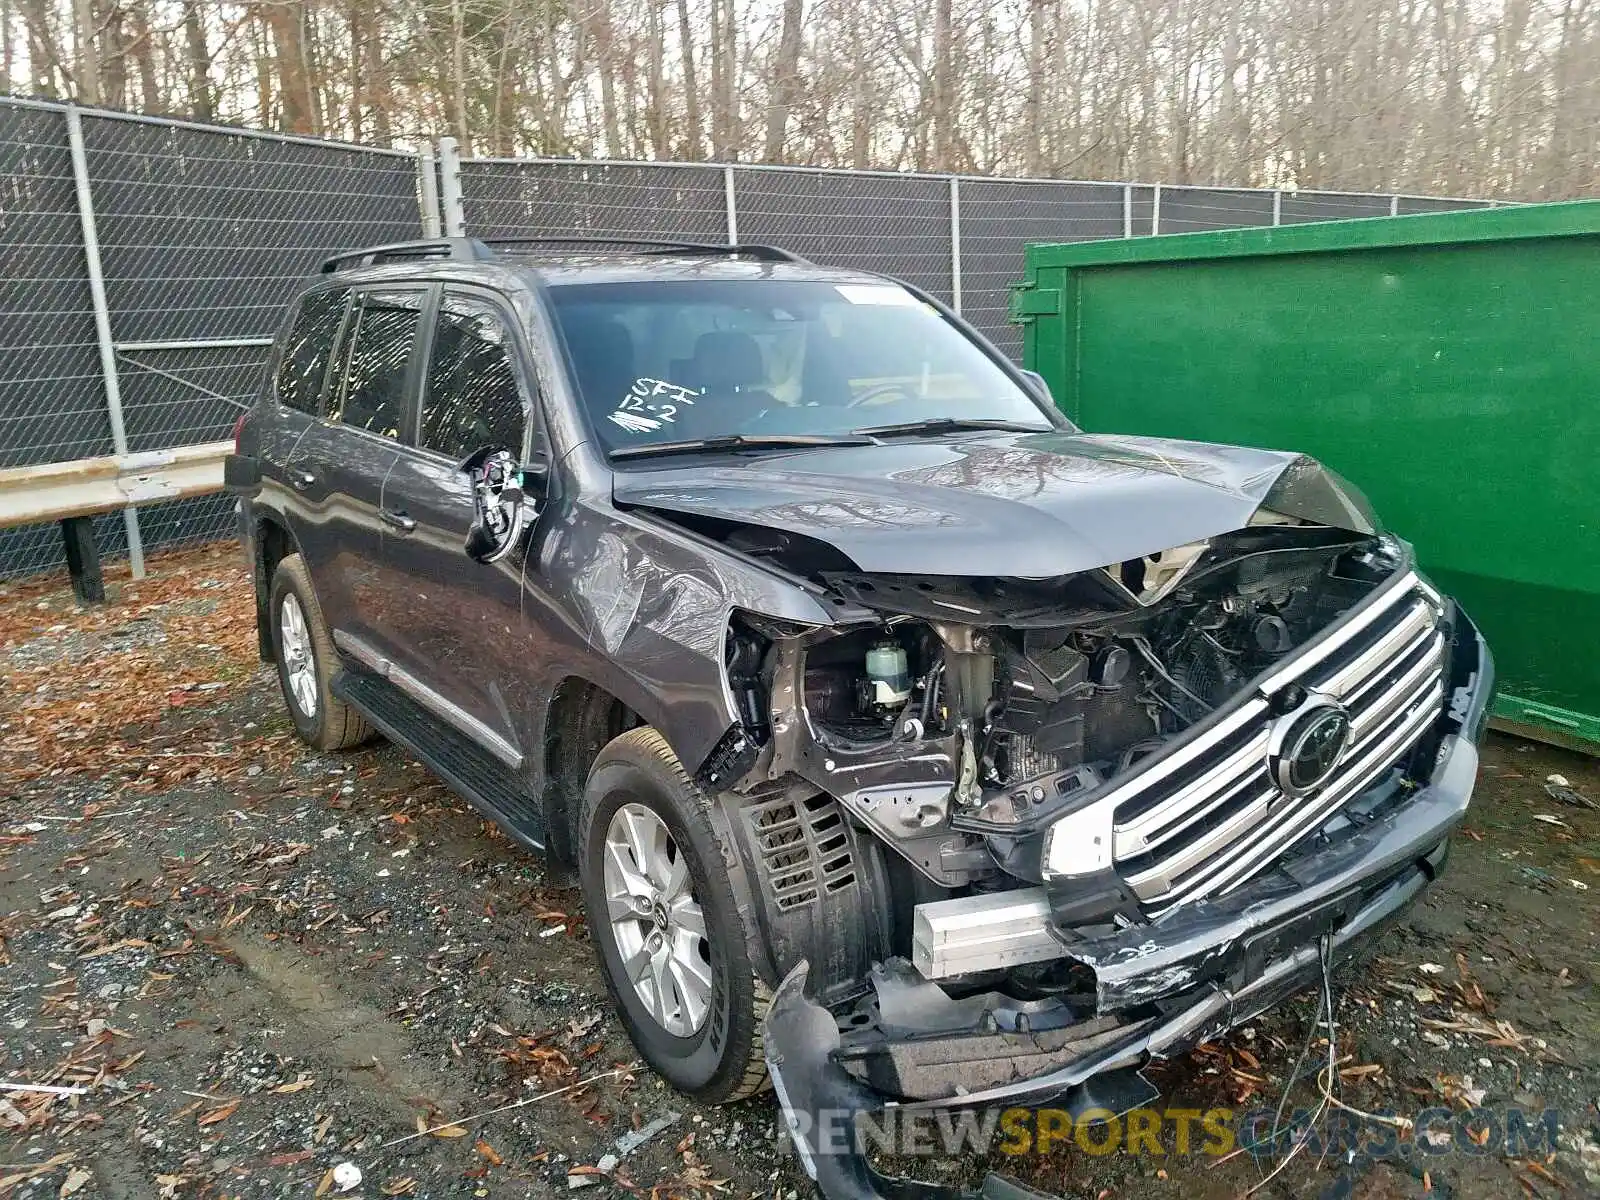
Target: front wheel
{"x":666,"y":922}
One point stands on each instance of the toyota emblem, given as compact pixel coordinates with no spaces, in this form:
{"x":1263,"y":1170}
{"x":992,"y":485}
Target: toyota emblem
{"x":1308,"y":744}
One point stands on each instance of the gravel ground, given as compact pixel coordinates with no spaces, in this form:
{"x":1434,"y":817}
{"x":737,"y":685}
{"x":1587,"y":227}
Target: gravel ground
{"x":270,"y":970}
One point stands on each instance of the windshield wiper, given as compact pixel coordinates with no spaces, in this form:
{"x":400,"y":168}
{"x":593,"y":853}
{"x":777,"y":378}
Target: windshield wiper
{"x":950,"y":425}
{"x":742,"y":441}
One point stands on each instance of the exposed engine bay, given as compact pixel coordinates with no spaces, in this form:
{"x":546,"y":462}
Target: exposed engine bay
{"x":975,"y":810}
{"x":958,"y":716}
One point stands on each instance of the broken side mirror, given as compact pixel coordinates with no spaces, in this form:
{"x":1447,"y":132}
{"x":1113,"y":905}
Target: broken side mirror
{"x":505,"y":499}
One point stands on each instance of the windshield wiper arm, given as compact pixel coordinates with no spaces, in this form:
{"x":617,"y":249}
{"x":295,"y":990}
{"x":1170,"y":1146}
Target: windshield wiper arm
{"x":742,"y":441}
{"x":950,"y":425}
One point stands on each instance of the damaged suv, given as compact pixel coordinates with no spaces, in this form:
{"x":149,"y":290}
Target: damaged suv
{"x":908,"y":745}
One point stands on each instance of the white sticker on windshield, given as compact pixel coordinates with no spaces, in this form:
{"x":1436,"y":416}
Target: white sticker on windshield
{"x":876,"y":293}
{"x":651,"y":403}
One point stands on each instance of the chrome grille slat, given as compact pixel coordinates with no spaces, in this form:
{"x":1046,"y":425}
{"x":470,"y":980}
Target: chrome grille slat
{"x":1232,"y":871}
{"x":1255,"y":778}
{"x":1409,"y":633}
{"x":1140,"y":832}
{"x":1216,"y":830}
{"x":1237,"y":866}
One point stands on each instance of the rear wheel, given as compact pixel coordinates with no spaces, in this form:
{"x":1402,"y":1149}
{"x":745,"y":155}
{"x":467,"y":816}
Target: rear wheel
{"x":666,"y":922}
{"x":305,"y":658}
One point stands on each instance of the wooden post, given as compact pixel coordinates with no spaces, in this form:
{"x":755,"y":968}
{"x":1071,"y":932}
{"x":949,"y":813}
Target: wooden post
{"x":83,"y":559}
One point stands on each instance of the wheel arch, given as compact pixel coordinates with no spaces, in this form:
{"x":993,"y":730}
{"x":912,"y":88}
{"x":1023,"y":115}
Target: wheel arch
{"x":271,"y":543}
{"x":580,"y":719}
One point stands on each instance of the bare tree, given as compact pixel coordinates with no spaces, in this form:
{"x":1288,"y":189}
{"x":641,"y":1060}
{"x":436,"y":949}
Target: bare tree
{"x":1487,"y":97}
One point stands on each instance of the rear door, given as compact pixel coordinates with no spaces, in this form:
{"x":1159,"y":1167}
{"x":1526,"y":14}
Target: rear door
{"x":337,"y":467}
{"x":461,"y":618}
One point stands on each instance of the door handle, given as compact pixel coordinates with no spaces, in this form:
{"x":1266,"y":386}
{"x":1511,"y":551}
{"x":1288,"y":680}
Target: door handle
{"x":301,"y":480}
{"x":398,"y":520}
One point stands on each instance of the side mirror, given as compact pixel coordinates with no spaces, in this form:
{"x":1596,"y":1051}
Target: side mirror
{"x":1041,"y":389}
{"x":500,"y":490}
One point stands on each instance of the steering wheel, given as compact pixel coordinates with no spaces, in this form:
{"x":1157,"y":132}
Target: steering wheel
{"x":877,"y":390}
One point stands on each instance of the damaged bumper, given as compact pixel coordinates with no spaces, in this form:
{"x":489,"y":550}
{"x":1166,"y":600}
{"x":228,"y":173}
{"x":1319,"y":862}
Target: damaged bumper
{"x":1160,"y":987}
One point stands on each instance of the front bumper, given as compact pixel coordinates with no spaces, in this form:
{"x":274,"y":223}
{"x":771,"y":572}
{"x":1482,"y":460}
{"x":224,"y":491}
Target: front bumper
{"x":1166,"y":985}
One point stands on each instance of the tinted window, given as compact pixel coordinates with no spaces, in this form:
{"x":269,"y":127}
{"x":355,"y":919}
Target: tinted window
{"x":305,"y":356}
{"x":383,"y":330}
{"x":665,"y":360}
{"x":472,"y":399}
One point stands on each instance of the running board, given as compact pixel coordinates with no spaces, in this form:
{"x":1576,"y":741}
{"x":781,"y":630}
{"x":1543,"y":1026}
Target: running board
{"x":982,"y":933}
{"x":480,"y":778}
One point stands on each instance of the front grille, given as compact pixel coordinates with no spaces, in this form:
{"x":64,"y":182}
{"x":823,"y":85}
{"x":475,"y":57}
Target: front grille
{"x":1208,"y":817}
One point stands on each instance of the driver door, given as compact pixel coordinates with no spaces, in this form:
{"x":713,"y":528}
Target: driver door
{"x":461,"y":651}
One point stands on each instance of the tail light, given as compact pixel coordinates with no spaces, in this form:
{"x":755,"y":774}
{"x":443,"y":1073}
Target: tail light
{"x":238,"y":429}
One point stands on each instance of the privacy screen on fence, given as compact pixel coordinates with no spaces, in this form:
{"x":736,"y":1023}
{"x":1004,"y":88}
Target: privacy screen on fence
{"x":205,"y":233}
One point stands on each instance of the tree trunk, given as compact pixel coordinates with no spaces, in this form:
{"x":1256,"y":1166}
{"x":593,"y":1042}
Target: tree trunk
{"x":691,"y":90}
{"x":1033,"y":114}
{"x":285,"y":19}
{"x":458,"y":74}
{"x":199,"y":62}
{"x":943,"y":86}
{"x":86,"y":64}
{"x":355,"y":25}
{"x":144,"y":60}
{"x":606,"y":63}
{"x":378,"y":87}
{"x":785,"y":80}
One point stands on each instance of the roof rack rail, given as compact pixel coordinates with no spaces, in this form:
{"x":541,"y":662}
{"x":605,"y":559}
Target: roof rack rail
{"x":456,"y":249}
{"x":756,"y":250}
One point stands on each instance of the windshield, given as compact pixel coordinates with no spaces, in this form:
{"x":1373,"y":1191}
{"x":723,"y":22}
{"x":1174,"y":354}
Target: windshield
{"x":668,"y":361}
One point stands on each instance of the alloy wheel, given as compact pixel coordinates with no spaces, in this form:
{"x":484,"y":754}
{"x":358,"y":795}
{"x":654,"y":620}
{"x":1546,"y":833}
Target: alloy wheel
{"x":657,"y":922}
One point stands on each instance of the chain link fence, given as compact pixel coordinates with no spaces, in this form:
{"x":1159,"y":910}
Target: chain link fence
{"x":204,"y":233}
{"x":959,"y":237}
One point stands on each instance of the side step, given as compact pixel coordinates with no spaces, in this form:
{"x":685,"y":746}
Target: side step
{"x":483,"y":780}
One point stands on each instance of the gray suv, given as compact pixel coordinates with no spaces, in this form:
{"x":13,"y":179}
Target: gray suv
{"x":908,"y":744}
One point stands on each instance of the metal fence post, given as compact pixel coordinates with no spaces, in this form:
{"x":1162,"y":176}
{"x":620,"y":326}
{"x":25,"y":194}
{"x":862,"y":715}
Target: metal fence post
{"x":428,"y":194}
{"x":454,"y":213}
{"x":1155,"y":211}
{"x":1277,"y":206}
{"x":955,"y":243}
{"x":1394,"y":205}
{"x":1127,"y":210}
{"x":102,"y":322}
{"x":732,"y":208}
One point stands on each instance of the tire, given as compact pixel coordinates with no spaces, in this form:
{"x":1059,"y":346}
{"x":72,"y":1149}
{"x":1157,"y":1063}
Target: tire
{"x":721,"y":1060}
{"x":319,"y":717}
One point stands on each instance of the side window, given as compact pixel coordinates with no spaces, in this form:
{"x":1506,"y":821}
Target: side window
{"x":305,"y":356}
{"x":383,"y":328}
{"x":472,"y":398}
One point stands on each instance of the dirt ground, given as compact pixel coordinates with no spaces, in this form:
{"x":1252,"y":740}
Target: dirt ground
{"x":267,"y":969}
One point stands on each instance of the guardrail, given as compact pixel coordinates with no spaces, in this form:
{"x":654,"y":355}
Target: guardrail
{"x":73,"y":492}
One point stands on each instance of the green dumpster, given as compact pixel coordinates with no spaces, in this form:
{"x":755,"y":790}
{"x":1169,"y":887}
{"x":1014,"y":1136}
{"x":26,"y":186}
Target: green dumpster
{"x":1448,"y":364}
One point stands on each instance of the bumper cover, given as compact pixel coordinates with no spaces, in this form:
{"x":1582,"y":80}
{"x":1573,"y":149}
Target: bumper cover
{"x":1194,"y":974}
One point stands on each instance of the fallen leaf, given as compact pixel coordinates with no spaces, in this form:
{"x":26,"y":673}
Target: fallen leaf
{"x":450,"y":1131}
{"x":483,"y":1148}
{"x":75,"y":1179}
{"x":220,"y":1113}
{"x":299,"y":1085}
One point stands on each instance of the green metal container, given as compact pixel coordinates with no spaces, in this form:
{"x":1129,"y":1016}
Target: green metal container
{"x":1448,"y":364}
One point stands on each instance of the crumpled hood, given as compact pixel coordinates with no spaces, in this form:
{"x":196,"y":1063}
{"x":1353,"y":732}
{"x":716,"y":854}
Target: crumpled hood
{"x":1030,"y":505}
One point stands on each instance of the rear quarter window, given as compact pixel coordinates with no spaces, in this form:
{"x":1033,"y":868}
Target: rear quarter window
{"x":304,"y":366}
